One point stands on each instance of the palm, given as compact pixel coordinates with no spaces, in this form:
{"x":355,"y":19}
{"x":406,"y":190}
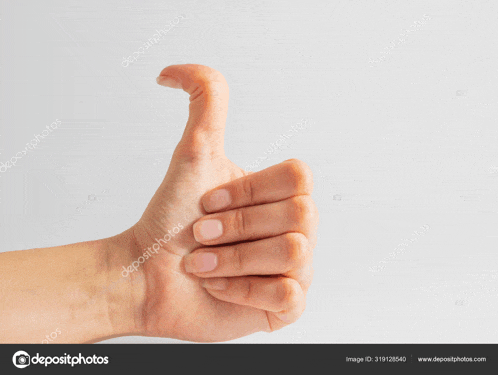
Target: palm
{"x":175,"y":298}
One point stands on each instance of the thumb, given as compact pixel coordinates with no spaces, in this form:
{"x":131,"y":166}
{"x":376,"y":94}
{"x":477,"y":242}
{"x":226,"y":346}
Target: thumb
{"x":208,"y":89}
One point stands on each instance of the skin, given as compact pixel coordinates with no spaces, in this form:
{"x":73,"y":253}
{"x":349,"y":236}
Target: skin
{"x":264,"y":253}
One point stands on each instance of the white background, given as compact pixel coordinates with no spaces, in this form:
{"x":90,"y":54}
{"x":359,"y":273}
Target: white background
{"x":394,"y":144}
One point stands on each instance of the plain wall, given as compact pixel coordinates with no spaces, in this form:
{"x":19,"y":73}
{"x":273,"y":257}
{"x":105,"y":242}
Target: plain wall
{"x":403,"y":147}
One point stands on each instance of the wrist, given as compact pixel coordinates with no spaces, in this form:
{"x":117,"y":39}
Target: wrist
{"x":123,"y":293}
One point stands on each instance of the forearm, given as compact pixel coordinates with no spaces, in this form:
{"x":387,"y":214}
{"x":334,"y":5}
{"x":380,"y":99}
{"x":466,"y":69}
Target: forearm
{"x":76,"y":291}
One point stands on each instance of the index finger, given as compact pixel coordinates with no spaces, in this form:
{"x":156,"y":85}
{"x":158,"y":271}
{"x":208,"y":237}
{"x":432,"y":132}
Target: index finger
{"x":276,"y":183}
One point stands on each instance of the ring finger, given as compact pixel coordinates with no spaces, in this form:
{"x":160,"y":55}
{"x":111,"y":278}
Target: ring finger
{"x":275,"y":255}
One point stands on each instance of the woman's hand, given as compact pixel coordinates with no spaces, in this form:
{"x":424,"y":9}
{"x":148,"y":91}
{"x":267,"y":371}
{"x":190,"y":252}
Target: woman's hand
{"x":229,"y":252}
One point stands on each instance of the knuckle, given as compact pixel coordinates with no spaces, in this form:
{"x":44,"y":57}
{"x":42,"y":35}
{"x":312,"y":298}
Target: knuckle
{"x":192,"y":148}
{"x":248,"y":190}
{"x":238,"y":259}
{"x":239,"y":223}
{"x":289,"y":292}
{"x":296,"y":248}
{"x":303,"y":208}
{"x":248,"y":291}
{"x":214,"y":77}
{"x":215,"y":88}
{"x":214,"y":83}
{"x":207,"y":82}
{"x":206,"y":74}
{"x":301,"y":175}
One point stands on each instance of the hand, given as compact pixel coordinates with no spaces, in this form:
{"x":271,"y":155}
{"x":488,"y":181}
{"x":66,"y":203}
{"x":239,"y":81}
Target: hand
{"x":264,"y":255}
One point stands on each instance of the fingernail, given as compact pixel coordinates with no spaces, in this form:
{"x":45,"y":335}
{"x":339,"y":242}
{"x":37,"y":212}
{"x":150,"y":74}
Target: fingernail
{"x":219,"y":283}
{"x":201,"y":262}
{"x":217,"y":200}
{"x":169,"y":82}
{"x":207,"y":230}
